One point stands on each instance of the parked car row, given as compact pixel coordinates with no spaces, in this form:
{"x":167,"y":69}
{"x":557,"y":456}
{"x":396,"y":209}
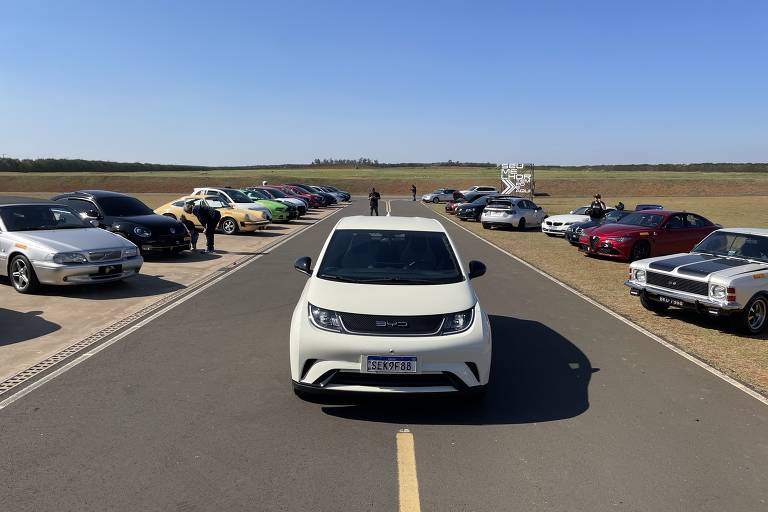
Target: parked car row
{"x":95,"y":236}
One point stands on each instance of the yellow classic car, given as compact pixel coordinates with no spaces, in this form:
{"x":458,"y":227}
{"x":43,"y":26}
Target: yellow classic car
{"x":232,"y":220}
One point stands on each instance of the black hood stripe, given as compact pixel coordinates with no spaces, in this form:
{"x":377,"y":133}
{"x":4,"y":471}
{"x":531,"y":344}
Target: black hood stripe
{"x":669,"y":264}
{"x":708,"y":267}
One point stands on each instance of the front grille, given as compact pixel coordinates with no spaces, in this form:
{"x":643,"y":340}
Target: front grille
{"x":400,"y":381}
{"x":557,"y":223}
{"x":677,"y":283}
{"x":97,"y":256}
{"x":382,"y":325}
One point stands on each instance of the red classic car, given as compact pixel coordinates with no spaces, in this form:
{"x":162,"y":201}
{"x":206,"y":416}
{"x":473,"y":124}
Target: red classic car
{"x":646,"y":234}
{"x":450,"y":206}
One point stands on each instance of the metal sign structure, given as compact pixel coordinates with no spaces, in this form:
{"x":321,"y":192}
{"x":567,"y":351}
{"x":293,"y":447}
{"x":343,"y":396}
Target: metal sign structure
{"x":517,"y":179}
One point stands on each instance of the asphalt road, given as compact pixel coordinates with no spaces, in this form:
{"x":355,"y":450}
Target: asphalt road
{"x":195,"y":412}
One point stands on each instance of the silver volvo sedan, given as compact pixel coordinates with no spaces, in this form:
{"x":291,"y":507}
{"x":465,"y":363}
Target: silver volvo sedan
{"x":42,"y":242}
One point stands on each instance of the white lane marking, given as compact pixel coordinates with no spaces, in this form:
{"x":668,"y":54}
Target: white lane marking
{"x":407,"y":479}
{"x":698,"y":362}
{"x":83,"y":357}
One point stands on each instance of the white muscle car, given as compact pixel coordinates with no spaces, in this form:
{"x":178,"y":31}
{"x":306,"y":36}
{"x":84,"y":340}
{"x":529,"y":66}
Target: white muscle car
{"x":726,"y":274}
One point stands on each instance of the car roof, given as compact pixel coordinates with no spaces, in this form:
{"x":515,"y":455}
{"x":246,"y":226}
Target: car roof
{"x":92,"y":193}
{"x":189,"y":198}
{"x":9,"y":200}
{"x":747,"y":231}
{"x":390,"y":223}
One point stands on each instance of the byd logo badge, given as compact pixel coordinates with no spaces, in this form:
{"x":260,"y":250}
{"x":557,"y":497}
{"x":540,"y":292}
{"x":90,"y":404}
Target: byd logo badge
{"x":391,"y":323}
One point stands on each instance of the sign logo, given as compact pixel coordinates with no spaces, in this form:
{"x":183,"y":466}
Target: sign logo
{"x":517,"y":178}
{"x":391,"y":323}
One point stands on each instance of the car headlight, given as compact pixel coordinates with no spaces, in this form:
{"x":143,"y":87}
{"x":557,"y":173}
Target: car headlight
{"x":324,"y":319}
{"x":69,"y":257}
{"x":142,"y":232}
{"x":717,"y":291}
{"x":619,"y":238}
{"x":130,"y":252}
{"x":457,"y":322}
{"x":639,"y":275}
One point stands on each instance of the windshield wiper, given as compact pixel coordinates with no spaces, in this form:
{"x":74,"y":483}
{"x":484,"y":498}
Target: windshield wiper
{"x":407,"y":280}
{"x":338,"y":278}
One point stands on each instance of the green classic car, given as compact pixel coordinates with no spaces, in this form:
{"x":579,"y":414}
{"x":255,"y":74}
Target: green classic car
{"x":280,"y":212}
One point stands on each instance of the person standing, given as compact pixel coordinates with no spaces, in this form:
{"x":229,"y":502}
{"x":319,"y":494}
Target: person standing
{"x":413,"y":191}
{"x":209,"y":217}
{"x":597,"y":208}
{"x":373,"y":198}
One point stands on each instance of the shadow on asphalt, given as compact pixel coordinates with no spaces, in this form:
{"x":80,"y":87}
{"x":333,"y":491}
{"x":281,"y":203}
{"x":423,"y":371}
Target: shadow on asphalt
{"x":16,"y":326}
{"x":537,"y":375}
{"x":141,"y":285}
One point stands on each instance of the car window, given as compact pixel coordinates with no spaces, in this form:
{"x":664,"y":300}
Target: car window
{"x":643,"y":219}
{"x":81,"y":205}
{"x":675,"y":222}
{"x":215,"y":203}
{"x":123,"y":206}
{"x":723,"y":243}
{"x":694,"y":221}
{"x":40,"y":217}
{"x":178,"y":203}
{"x":390,"y":257}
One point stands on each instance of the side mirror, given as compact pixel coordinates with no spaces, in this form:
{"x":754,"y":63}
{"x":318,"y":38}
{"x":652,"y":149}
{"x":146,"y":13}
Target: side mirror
{"x":304,"y":265}
{"x":94,"y":222}
{"x":93,"y":214}
{"x":476,"y":269}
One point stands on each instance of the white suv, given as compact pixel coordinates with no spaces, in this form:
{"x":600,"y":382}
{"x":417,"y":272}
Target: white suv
{"x":389,"y":309}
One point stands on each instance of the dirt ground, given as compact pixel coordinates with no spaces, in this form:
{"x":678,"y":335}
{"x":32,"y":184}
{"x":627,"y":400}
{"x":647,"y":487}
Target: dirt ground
{"x":710,"y":339}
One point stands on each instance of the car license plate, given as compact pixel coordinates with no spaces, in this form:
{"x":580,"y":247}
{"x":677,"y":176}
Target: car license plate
{"x":671,"y":302}
{"x":390,"y":364}
{"x":109,"y":270}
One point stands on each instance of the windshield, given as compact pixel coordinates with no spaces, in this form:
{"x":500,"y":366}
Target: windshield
{"x":39,"y":217}
{"x":722,"y":243}
{"x":215,"y":203}
{"x":613,"y":216}
{"x":581,"y":211}
{"x":501,"y":204}
{"x":266,"y":193}
{"x":276,"y":193}
{"x":123,"y":206}
{"x":390,"y":257}
{"x":648,"y":220}
{"x":257,"y":194}
{"x":236,"y":195}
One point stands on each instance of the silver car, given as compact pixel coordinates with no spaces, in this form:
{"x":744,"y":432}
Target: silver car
{"x":438,"y":195}
{"x":42,"y":242}
{"x":512,"y":212}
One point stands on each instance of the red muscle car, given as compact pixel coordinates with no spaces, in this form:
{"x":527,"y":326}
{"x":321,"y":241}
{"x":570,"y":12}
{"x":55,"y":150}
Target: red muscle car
{"x":646,"y":234}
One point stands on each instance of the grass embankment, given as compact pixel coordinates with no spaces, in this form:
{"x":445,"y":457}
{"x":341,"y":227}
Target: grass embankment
{"x":741,"y":357}
{"x":397,"y":181}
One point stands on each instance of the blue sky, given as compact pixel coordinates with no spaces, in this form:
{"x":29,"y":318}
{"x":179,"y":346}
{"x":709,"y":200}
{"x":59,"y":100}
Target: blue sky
{"x":238,"y":82}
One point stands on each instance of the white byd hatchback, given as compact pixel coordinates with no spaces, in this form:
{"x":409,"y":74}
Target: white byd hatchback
{"x":389,"y":309}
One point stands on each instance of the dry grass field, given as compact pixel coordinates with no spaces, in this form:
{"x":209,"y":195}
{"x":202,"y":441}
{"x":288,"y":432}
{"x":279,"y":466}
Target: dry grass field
{"x":710,"y":339}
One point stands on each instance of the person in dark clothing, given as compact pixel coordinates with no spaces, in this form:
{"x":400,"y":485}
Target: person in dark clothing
{"x":192,"y":231}
{"x":373,"y":198}
{"x":413,"y":191}
{"x":208,"y":217}
{"x":597,"y":208}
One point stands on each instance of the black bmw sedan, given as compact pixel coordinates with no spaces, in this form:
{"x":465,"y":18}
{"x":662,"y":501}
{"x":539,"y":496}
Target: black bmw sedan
{"x":129,"y":218}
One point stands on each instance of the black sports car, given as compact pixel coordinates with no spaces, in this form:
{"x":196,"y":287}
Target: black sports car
{"x":129,"y":218}
{"x":474,"y":209}
{"x":573,"y":232}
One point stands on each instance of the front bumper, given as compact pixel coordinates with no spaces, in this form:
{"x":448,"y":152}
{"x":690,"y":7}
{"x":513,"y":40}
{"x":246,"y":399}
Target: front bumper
{"x":683,"y":300}
{"x":253,"y":225}
{"x":553,"y":230}
{"x":465,"y":214}
{"x":67,"y":274}
{"x":329,"y":362}
{"x":618,"y":250}
{"x":162,"y":245}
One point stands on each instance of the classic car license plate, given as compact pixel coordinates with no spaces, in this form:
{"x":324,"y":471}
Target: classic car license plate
{"x":390,"y":364}
{"x":109,"y":270}
{"x":671,"y":302}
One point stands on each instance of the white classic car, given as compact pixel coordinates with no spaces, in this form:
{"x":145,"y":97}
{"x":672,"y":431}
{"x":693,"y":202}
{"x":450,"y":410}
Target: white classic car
{"x":556,"y":225}
{"x":726,"y":274}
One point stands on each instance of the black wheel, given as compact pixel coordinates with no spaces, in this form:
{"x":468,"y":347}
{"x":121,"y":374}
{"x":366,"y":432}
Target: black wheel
{"x":477,"y":217}
{"x":640,"y":251}
{"x":462,"y":219}
{"x":486,"y":226}
{"x":652,"y":305}
{"x":229,"y":226}
{"x":435,"y":200}
{"x":549,"y":234}
{"x":22,"y":275}
{"x":753,"y":319}
{"x":521,"y":224}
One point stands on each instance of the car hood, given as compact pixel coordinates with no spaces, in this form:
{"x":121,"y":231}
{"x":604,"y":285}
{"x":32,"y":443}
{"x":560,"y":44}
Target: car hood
{"x":69,"y":240}
{"x":150,"y":221}
{"x":703,"y":265}
{"x":569,"y":217}
{"x":382,"y":299}
{"x":620,"y":230}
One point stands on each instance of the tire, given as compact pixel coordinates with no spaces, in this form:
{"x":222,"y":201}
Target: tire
{"x":22,"y":275}
{"x":169,"y":215}
{"x":521,"y":225}
{"x":477,"y":217}
{"x":486,"y":226}
{"x":652,"y":305}
{"x":753,"y":319}
{"x":640,"y":251}
{"x":435,"y":200}
{"x":549,"y":234}
{"x":462,"y":219}
{"x":229,"y":226}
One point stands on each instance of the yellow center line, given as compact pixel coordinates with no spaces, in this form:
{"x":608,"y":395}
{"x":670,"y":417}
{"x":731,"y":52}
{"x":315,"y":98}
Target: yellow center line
{"x":408,"y":483}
